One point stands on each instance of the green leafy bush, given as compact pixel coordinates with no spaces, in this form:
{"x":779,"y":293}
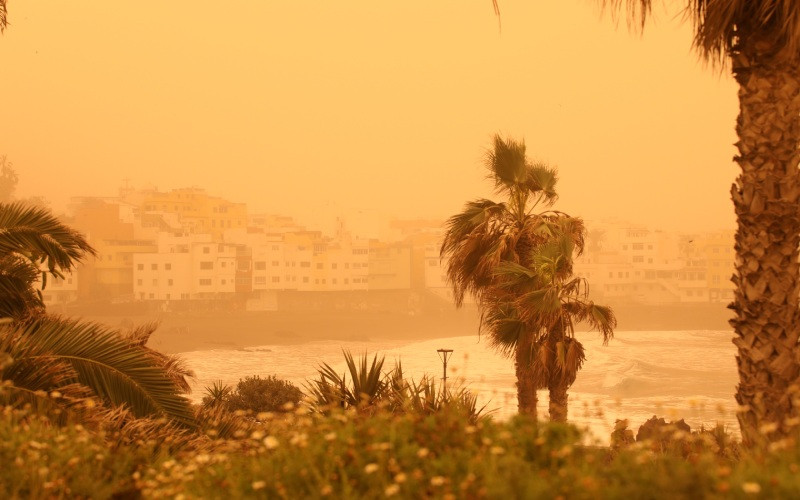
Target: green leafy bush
{"x":256,"y":395}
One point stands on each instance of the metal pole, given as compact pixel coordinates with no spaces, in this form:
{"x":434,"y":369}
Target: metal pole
{"x":443,"y":355}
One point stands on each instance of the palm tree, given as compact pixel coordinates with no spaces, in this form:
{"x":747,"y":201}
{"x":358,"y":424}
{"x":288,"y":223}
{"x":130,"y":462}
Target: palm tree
{"x":41,"y":354}
{"x":32,"y":238}
{"x":760,"y":39}
{"x":545,"y":300}
{"x":487,"y":233}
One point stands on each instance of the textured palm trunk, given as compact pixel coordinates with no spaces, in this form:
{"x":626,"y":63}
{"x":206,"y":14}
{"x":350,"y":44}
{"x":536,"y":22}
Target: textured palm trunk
{"x":765,"y":196}
{"x":558,"y":400}
{"x":526,"y":387}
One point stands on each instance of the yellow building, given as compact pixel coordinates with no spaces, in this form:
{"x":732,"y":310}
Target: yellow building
{"x":717,"y":251}
{"x":199,"y":212}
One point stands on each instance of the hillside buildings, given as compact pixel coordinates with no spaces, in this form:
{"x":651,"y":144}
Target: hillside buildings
{"x":172,"y":249}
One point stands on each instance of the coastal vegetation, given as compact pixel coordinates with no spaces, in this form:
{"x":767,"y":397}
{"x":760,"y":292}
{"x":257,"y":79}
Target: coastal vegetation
{"x":90,"y":411}
{"x":517,"y":264}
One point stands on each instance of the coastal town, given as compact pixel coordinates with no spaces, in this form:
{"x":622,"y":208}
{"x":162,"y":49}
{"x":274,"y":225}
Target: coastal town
{"x":171,"y":249}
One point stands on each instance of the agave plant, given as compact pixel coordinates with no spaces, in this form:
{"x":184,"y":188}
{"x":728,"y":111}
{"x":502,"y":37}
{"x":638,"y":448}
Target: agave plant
{"x":368,"y":384}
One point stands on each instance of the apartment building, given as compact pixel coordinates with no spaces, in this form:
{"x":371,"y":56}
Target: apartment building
{"x":199,"y":212}
{"x":187,"y":267}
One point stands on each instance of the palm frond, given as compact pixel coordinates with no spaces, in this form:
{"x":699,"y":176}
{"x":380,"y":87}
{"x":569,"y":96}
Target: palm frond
{"x":4,"y":15}
{"x":18,"y":298}
{"x":542,"y":180}
{"x":38,"y":234}
{"x":118,"y":372}
{"x":507,"y":164}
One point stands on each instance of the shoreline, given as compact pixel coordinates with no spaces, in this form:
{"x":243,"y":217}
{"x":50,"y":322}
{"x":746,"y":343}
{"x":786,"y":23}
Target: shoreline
{"x":196,"y":331}
{"x":178,"y":333}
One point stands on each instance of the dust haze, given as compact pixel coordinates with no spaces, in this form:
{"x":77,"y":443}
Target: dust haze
{"x":296,"y":160}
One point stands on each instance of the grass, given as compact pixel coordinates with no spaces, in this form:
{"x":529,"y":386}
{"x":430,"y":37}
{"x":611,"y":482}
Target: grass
{"x":351,"y":454}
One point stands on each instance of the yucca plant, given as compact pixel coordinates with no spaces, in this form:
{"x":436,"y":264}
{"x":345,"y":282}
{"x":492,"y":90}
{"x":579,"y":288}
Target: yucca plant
{"x":216,"y":395}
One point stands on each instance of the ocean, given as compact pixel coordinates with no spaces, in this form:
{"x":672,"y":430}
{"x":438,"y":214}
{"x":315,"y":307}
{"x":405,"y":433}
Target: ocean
{"x":672,"y":374}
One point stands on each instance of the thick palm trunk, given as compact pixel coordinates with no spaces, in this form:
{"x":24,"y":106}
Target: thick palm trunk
{"x":526,"y":387}
{"x":558,"y":400}
{"x":765,"y":197}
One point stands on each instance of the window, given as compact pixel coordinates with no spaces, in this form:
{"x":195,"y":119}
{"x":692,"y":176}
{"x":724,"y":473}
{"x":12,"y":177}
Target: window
{"x":169,"y":282}
{"x":333,"y":281}
{"x":206,"y":250}
{"x":638,"y":258}
{"x":346,"y":281}
{"x":168,"y":266}
{"x":224,"y":263}
{"x":275,"y":263}
{"x":611,"y":275}
{"x":319,"y":265}
{"x":260,"y":265}
{"x":276,"y":279}
{"x":139,"y":282}
{"x":207,"y":265}
{"x":347,"y":265}
{"x":333,"y":266}
{"x":140,"y":267}
{"x":649,"y":261}
{"x":205,"y":282}
{"x":154,"y":267}
{"x":152,"y":296}
{"x":275,"y":247}
{"x":305,"y":264}
{"x":305,"y":279}
{"x":638,"y":246}
{"x":619,"y":274}
{"x":185,"y":296}
{"x":141,"y":296}
{"x":168,"y":296}
{"x":155,"y":282}
{"x":223,"y":282}
{"x":261,"y":280}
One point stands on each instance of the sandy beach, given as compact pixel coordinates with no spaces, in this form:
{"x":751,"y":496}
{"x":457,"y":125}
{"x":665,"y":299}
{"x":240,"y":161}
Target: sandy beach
{"x":200,"y":331}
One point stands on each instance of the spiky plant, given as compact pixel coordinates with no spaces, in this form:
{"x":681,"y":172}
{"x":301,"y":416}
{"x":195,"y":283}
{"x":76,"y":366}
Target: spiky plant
{"x":760,"y":41}
{"x":368,"y":384}
{"x":487,"y":233}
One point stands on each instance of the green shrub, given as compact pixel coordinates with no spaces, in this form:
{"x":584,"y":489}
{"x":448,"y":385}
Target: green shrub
{"x":257,"y":395}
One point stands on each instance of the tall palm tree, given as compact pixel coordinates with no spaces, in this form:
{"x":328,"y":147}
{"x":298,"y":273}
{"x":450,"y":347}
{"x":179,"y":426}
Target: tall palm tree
{"x":545,"y":300}
{"x":487,"y":233}
{"x":760,"y":39}
{"x":32,"y":238}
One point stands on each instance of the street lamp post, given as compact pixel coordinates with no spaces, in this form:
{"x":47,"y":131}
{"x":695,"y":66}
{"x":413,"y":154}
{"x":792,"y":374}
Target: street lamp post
{"x":444,"y":355}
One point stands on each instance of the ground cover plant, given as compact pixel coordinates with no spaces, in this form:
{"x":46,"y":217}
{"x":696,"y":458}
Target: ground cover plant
{"x":351,"y":454}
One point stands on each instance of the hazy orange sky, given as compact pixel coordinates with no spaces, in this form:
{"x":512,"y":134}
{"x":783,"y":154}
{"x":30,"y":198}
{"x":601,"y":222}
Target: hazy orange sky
{"x":304,"y":107}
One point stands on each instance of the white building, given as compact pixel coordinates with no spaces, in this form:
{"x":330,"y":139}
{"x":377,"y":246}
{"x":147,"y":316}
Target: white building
{"x":185,"y":267}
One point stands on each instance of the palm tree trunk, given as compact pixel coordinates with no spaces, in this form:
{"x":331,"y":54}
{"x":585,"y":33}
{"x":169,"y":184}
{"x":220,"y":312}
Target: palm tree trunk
{"x":765,"y":196}
{"x":526,"y":387}
{"x":558,"y":400}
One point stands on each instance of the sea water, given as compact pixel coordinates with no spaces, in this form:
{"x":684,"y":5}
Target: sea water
{"x":672,"y":374}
